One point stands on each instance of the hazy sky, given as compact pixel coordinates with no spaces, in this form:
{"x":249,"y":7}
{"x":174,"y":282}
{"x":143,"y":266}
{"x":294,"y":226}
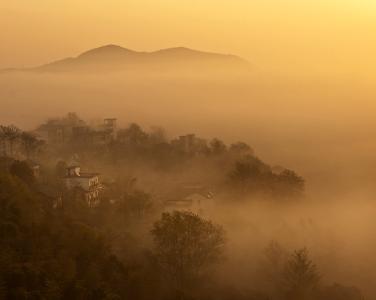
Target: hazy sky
{"x":325,"y":35}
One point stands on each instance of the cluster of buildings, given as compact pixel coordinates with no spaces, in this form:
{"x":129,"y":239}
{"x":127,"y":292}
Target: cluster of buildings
{"x":86,"y":186}
{"x":73,"y":129}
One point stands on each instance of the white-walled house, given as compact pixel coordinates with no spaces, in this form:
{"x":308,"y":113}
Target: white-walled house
{"x":85,"y":185}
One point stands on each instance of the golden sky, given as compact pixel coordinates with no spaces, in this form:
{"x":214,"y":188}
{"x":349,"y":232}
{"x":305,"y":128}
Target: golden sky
{"x":336,"y":35}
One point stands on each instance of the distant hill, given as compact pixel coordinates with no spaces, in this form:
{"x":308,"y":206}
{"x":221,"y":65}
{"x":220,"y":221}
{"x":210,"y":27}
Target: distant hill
{"x":116,"y":58}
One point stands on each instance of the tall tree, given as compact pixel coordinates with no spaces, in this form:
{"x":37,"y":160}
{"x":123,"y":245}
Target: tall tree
{"x":217,"y":146}
{"x":300,"y":276}
{"x":133,"y":135}
{"x":186,"y":246}
{"x":30,"y":144}
{"x":10,"y":133}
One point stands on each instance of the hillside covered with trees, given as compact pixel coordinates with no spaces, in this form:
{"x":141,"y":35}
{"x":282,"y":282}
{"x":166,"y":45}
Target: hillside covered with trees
{"x":143,"y":227}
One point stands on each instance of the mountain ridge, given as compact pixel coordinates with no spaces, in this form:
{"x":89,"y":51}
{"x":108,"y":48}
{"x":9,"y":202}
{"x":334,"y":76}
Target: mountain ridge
{"x":116,"y":58}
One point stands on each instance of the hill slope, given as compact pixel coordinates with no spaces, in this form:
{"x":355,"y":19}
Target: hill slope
{"x":116,"y":58}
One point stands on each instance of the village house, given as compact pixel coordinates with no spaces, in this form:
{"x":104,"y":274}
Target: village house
{"x":84,"y":186}
{"x":190,"y":197}
{"x":100,"y":135}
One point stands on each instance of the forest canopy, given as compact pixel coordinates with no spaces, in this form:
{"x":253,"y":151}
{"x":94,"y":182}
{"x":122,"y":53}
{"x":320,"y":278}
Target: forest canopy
{"x":101,"y":212}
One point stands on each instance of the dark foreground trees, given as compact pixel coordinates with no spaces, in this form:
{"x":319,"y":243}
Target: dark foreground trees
{"x":186,"y":246}
{"x":46,"y":254}
{"x":22,"y":170}
{"x":295,"y":276}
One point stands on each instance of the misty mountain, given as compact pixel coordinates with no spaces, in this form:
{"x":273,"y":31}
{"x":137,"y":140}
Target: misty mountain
{"x":116,"y":58}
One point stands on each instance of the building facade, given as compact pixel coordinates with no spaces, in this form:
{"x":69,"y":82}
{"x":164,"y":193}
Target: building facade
{"x":85,"y":186}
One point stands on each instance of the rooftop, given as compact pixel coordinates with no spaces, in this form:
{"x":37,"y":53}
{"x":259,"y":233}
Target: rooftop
{"x":83,"y":175}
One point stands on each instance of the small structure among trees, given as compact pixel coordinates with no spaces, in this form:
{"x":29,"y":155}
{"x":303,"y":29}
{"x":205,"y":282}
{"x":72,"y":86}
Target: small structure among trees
{"x":85,"y":186}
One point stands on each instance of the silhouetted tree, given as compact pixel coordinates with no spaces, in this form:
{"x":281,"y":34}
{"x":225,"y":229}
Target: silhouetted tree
{"x":30,"y":144}
{"x":185,"y":246}
{"x":241,"y":148}
{"x":133,"y":135}
{"x":300,"y":276}
{"x":292,"y":184}
{"x":250,"y":174}
{"x":217,"y":147}
{"x":11,"y":134}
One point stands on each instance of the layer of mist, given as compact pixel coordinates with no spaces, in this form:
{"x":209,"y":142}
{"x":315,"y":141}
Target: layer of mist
{"x":320,"y":127}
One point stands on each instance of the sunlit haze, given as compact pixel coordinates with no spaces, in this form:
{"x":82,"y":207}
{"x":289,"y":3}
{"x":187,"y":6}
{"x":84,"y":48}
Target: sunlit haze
{"x":187,"y":149}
